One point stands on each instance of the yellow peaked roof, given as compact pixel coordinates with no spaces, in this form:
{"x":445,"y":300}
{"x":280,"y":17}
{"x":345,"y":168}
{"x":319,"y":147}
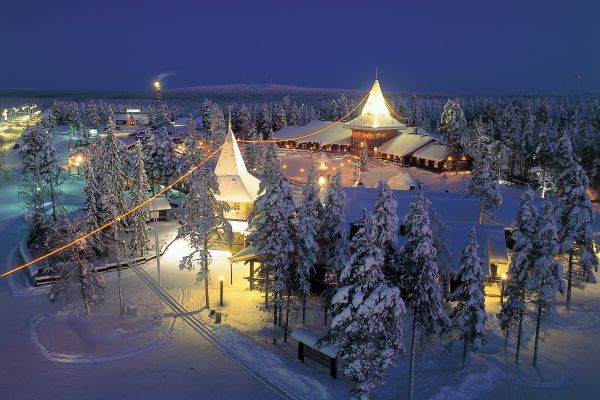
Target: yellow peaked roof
{"x":375,"y":114}
{"x":236,"y":184}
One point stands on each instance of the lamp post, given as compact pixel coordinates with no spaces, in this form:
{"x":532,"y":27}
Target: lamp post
{"x":221,"y":289}
{"x":502,"y":289}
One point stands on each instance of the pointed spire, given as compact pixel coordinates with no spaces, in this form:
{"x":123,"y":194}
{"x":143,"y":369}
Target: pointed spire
{"x":376,"y":71}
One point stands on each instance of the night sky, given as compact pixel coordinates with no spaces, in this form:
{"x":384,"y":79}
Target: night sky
{"x":457,"y":47}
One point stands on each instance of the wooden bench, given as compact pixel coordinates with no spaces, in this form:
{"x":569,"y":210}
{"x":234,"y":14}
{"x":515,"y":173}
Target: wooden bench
{"x":307,"y":347}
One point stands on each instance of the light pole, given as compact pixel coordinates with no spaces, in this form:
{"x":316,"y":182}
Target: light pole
{"x":502,"y":289}
{"x":221,"y":289}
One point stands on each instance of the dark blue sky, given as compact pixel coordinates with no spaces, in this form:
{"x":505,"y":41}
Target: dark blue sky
{"x":460,"y":47}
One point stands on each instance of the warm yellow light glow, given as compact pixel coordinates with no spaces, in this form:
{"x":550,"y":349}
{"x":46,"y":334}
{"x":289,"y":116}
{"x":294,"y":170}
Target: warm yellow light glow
{"x":301,"y":169}
{"x":221,"y":278}
{"x":157,"y":84}
{"x":284,"y":166}
{"x":341,"y":164}
{"x":504,"y":277}
{"x":322,"y":181}
{"x":323,"y":166}
{"x":375,"y":104}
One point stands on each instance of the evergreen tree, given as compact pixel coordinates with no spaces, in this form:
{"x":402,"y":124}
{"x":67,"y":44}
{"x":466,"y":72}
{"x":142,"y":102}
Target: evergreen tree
{"x":279,"y":120}
{"x":204,"y":221}
{"x":575,"y":216}
{"x":218,"y":127}
{"x":452,"y":127}
{"x":294,"y":118}
{"x":75,"y":272}
{"x":40,"y":167}
{"x":271,"y":219}
{"x":469,"y":314}
{"x":308,"y":226}
{"x":92,"y":199}
{"x":343,"y":106}
{"x":93,"y":117}
{"x":363,"y":162}
{"x":444,"y":257}
{"x":164,"y":164}
{"x":245,"y":124}
{"x":385,"y":223}
{"x":149,"y":151}
{"x":514,"y":307}
{"x":192,"y":154}
{"x":333,"y":236}
{"x":139,"y":242}
{"x":484,"y":185}
{"x":206,"y":112}
{"x":418,"y":281}
{"x":546,"y":277}
{"x":367,"y":315}
{"x":264,"y":123}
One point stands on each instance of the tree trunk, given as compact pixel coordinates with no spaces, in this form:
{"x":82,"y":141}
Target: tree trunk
{"x":120,"y":283}
{"x":303,"y":309}
{"x":53,"y":200}
{"x":205,"y":256}
{"x":538,"y":323}
{"x":275,"y":307}
{"x":287,"y":315}
{"x":506,"y":342}
{"x":465,"y":347}
{"x":569,"y":279}
{"x":266,"y":275}
{"x":83,"y":294}
{"x":520,"y":331}
{"x":480,"y":211}
{"x":413,"y":355}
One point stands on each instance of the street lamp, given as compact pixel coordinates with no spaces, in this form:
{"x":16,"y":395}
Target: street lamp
{"x":221,"y":289}
{"x":502,"y":289}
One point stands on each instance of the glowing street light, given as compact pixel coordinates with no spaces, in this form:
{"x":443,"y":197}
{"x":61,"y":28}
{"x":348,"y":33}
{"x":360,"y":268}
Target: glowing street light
{"x":157,"y":85}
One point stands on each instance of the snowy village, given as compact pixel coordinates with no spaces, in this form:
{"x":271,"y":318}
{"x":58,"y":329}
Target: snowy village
{"x":274,"y":241}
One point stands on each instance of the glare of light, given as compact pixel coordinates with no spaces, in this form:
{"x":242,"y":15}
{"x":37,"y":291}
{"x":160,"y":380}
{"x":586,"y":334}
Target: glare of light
{"x":301,"y":169}
{"x":504,"y":277}
{"x":221,"y":277}
{"x":157,"y":85}
{"x":341,"y":164}
{"x":322,"y":181}
{"x":375,"y":104}
{"x":323,"y":166}
{"x":284,"y":166}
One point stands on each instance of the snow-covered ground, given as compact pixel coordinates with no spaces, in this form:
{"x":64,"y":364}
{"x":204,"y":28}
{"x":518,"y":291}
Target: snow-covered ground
{"x":47,"y":353}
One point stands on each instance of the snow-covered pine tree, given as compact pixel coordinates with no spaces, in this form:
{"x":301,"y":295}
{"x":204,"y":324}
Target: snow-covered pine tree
{"x":444,"y":257}
{"x":367,"y":315}
{"x":204,"y":221}
{"x":40,"y":166}
{"x":385,"y":223}
{"x":363,"y":162}
{"x":149,"y":150}
{"x":218,"y":127}
{"x":164,"y":166}
{"x":452,"y":127}
{"x":76,"y":275}
{"x":245,"y":123}
{"x":192,"y":154}
{"x":294,"y":118}
{"x":92,"y":199}
{"x":469,"y":314}
{"x":264,"y":123}
{"x":575,"y":216}
{"x":206,"y":110}
{"x":334,"y":238}
{"x":485,"y":186}
{"x":546,"y":277}
{"x":343,"y":106}
{"x":140,"y":187}
{"x":418,"y":279}
{"x":309,"y":214}
{"x":279,"y":120}
{"x":93,"y":117}
{"x":271,"y":220}
{"x":514,"y":306}
{"x":333,"y":114}
{"x":253,"y":155}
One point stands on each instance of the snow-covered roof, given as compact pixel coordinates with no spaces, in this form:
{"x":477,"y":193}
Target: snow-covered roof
{"x":433,"y":152}
{"x":246,"y":253}
{"x":159,"y":204}
{"x":311,"y":338}
{"x":336,"y":134}
{"x":375,"y":114}
{"x":236,"y":184}
{"x":121,"y":117}
{"x":405,"y":144}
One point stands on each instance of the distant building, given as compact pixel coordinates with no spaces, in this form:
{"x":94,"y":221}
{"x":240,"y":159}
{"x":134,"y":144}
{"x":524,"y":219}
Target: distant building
{"x":374,"y":126}
{"x":132,"y":118}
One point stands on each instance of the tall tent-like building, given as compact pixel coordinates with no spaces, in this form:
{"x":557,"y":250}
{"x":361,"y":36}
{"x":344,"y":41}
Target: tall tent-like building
{"x":238,"y":188}
{"x":374,"y":125}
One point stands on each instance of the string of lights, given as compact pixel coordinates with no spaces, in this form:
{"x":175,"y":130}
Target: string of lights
{"x":166,"y":189}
